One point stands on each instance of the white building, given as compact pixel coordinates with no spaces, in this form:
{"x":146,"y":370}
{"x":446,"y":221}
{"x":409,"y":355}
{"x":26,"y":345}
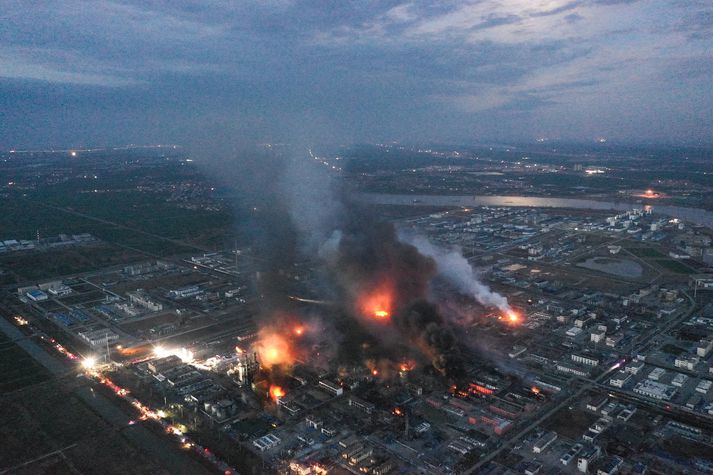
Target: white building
{"x":266,"y":442}
{"x":331,"y":387}
{"x":704,"y":347}
{"x":620,"y":379}
{"x":585,"y":359}
{"x":655,"y":390}
{"x":543,"y":442}
{"x":704,"y":386}
{"x":597,"y":336}
{"x":101,"y":337}
{"x":688,"y":362}
{"x":656,"y":374}
{"x":679,"y":380}
{"x":141,"y":299}
{"x":634,"y":367}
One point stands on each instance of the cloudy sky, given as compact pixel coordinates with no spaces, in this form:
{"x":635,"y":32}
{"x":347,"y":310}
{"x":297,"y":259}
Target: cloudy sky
{"x":101,"y":72}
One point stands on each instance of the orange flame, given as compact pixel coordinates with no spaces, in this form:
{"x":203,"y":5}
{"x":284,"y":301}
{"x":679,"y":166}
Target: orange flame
{"x":299,"y":330}
{"x":276,"y":392}
{"x":513,"y":317}
{"x":273,"y":349}
{"x":535,"y":390}
{"x":377,"y":304}
{"x":407,"y":366}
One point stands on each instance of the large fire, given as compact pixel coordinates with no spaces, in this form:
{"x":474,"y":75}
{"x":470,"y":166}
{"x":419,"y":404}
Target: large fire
{"x":407,"y":366}
{"x":379,"y":313}
{"x":377,"y":305}
{"x":512,"y":317}
{"x":274,"y":349}
{"x":276,"y":392}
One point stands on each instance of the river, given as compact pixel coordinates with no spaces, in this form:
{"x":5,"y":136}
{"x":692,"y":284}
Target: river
{"x":692,"y":215}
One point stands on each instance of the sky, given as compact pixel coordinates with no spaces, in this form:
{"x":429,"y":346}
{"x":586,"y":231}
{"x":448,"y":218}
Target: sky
{"x":112,"y":72}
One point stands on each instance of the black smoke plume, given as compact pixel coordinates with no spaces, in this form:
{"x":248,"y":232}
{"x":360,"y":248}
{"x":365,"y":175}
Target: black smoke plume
{"x":293,"y":208}
{"x":421,"y":322}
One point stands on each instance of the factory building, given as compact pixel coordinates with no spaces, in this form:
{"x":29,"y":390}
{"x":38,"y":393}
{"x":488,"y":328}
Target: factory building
{"x":266,"y":442}
{"x":543,"y":442}
{"x":585,"y":359}
{"x":688,"y":362}
{"x":597,"y":402}
{"x":610,"y":466}
{"x":160,"y":365}
{"x":620,"y":379}
{"x":679,"y":380}
{"x":101,"y":337}
{"x":656,"y":374}
{"x":704,"y":386}
{"x":246,"y":368}
{"x":571,"y":369}
{"x":655,"y":390}
{"x":56,"y":288}
{"x":362,"y":405}
{"x":141,"y":299}
{"x":586,"y":457}
{"x":634,"y":367}
{"x":331,"y":387}
{"x":185,"y":292}
{"x":704,"y":347}
{"x":36,"y":295}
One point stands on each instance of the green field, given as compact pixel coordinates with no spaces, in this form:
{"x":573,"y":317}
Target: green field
{"x":674,"y":266}
{"x":645,"y":252}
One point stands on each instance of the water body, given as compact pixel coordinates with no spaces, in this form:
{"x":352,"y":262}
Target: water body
{"x":693,"y":215}
{"x":619,"y":267}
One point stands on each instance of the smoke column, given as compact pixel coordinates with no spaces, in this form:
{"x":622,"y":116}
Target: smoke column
{"x":455,"y":268}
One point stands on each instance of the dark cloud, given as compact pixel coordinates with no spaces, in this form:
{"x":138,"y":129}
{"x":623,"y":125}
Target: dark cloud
{"x":133,"y":71}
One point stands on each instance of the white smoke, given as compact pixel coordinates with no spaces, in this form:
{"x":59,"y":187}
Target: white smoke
{"x":455,"y":268}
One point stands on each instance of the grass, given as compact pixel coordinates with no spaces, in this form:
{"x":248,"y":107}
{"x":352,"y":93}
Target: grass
{"x":675,"y":266}
{"x":645,"y":252}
